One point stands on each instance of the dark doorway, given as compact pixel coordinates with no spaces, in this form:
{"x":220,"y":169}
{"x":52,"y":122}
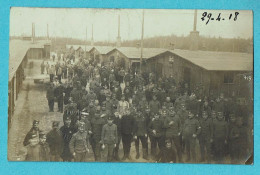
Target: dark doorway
{"x":186,"y":76}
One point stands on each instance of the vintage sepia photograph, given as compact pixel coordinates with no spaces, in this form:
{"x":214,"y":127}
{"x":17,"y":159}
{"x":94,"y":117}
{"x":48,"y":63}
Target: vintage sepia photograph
{"x":131,"y":85}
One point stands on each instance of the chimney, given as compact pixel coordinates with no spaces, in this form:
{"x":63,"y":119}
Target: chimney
{"x":118,"y":43}
{"x":194,"y":35}
{"x":92,"y":39}
{"x":32,"y":33}
{"x":47,"y":32}
{"x":172,"y":46}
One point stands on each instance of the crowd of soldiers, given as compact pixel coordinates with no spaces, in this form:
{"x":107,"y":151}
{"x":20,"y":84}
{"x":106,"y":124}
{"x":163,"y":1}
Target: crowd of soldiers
{"x":108,"y":104}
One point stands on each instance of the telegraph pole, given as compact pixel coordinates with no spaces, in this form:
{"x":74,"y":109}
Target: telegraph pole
{"x":142,"y":38}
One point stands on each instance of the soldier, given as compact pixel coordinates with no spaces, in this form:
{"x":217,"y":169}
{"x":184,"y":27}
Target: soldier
{"x":50,"y":95}
{"x":154,"y":105}
{"x":239,"y":139}
{"x":114,"y":103}
{"x":220,"y":134}
{"x":140,"y":131}
{"x":173,"y":131}
{"x":109,"y":139}
{"x":55,"y":141}
{"x":205,"y":137}
{"x":167,"y":154}
{"x":155,"y":128}
{"x":127,"y":123}
{"x":59,"y":90}
{"x":168,"y":103}
{"x":191,"y":130}
{"x":79,"y":144}
{"x":52,"y":73}
{"x":66,"y":132}
{"x":117,"y":122}
{"x":97,"y":124}
{"x":33,"y":131}
{"x":42,"y":67}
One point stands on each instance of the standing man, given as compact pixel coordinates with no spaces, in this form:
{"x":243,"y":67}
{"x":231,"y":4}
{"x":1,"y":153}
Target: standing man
{"x":191,"y":129}
{"x":55,"y":141}
{"x":127,"y":123}
{"x":42,"y":67}
{"x":205,"y":137}
{"x":66,"y":132}
{"x":117,"y":122}
{"x":154,"y":105}
{"x":50,"y":95}
{"x":220,"y":135}
{"x":59,"y":90}
{"x":109,"y":139}
{"x":140,"y":133}
{"x":173,"y":128}
{"x":97,"y":124}
{"x":156,"y":134}
{"x":52,"y":73}
{"x":79,"y":144}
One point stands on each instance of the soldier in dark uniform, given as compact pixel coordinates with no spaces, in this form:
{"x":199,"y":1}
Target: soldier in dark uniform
{"x":140,"y":132}
{"x":205,"y":137}
{"x":66,"y":132}
{"x":33,"y":131}
{"x":50,"y":95}
{"x":55,"y":141}
{"x":117,"y":122}
{"x":155,"y":128}
{"x":79,"y":144}
{"x":154,"y":105}
{"x":109,"y":139}
{"x":239,"y":140}
{"x":59,"y":90}
{"x":173,"y":127}
{"x":127,"y":123}
{"x":220,"y":135}
{"x":191,"y":129}
{"x":97,"y":124}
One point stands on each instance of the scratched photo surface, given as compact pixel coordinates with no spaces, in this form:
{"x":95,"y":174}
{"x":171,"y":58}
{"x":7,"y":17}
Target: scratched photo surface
{"x":130,"y":85}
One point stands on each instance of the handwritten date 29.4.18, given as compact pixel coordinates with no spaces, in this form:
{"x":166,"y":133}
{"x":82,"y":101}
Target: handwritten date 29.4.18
{"x":209,"y":16}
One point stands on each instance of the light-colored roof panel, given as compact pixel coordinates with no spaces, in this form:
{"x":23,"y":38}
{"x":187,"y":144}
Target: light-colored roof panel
{"x":218,"y":61}
{"x":134,"y":52}
{"x":17,"y":51}
{"x":76,"y":47}
{"x":104,"y":49}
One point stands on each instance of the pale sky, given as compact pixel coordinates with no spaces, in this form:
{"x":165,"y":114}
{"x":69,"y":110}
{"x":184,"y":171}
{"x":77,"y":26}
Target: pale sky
{"x":65,"y":22}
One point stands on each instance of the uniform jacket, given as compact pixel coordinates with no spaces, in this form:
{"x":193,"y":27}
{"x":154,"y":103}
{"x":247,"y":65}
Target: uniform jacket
{"x":220,"y":129}
{"x":97,"y":124}
{"x":190,"y":127}
{"x":109,"y":134}
{"x":127,"y":123}
{"x":157,"y":125}
{"x":140,"y":126}
{"x":55,"y":141}
{"x":206,"y":128}
{"x":50,"y":95}
{"x":173,"y":129}
{"x":79,"y":142}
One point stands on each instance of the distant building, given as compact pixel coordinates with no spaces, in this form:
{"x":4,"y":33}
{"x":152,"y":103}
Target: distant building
{"x":101,"y":53}
{"x":214,"y":72}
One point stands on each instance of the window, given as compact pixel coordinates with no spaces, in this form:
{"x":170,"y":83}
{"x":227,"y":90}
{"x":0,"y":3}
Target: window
{"x":229,"y":78}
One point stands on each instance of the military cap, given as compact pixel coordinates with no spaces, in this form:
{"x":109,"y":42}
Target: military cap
{"x":109,"y":117}
{"x":81,"y":124}
{"x":36,"y":122}
{"x":168,"y":141}
{"x":55,"y":124}
{"x":67,"y":118}
{"x":84,"y":113}
{"x":33,"y":136}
